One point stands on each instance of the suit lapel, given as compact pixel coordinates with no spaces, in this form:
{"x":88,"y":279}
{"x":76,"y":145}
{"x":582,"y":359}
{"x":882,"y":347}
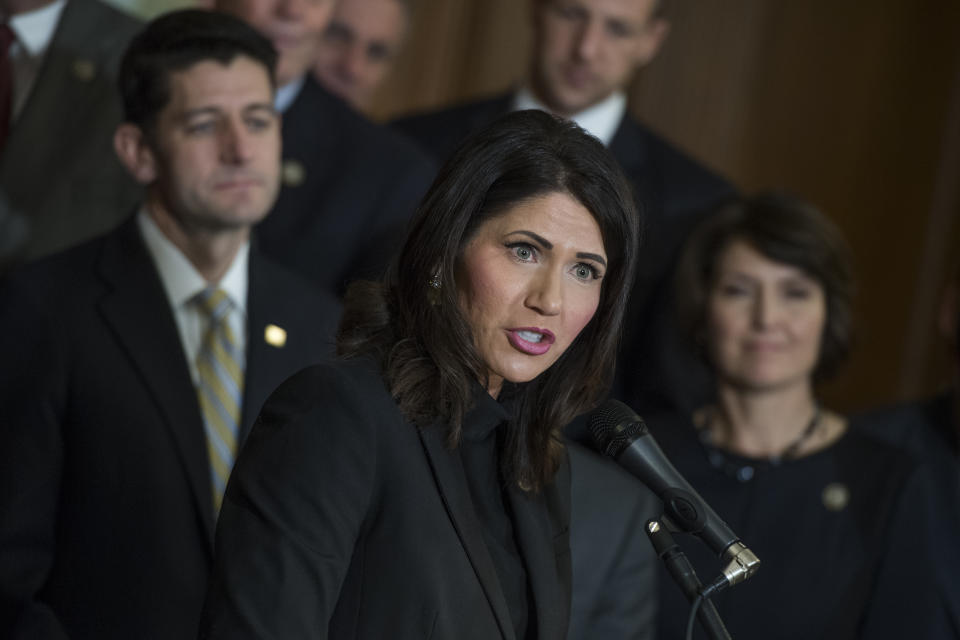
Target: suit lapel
{"x":73,"y":73}
{"x":628,"y":148}
{"x":266,"y":364}
{"x":139,"y":314}
{"x":452,"y":484}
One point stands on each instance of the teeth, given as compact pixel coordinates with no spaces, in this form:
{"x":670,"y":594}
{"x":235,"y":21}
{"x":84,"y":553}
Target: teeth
{"x":530,"y":336}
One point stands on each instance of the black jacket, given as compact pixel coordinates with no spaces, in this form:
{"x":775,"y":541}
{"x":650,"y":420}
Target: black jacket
{"x":343,"y":520}
{"x":349,"y":188}
{"x":106,"y":516}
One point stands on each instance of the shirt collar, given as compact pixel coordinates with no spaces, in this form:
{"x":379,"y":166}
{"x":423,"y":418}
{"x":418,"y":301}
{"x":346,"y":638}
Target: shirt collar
{"x":487,"y":413}
{"x":180,"y":278}
{"x":288,"y":93}
{"x":35,"y":28}
{"x":601,"y":120}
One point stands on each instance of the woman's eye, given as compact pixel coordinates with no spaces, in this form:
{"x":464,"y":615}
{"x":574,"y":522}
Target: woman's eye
{"x":732,"y":290}
{"x":523,"y":251}
{"x":585,"y":272}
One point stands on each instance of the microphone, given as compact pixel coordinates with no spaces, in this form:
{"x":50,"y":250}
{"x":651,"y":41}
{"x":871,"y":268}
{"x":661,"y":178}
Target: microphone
{"x":622,"y":435}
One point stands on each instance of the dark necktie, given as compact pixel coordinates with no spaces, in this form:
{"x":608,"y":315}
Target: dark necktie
{"x":7,"y":38}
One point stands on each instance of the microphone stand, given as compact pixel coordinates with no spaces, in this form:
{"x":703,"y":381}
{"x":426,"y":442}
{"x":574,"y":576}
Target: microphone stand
{"x":685,"y":576}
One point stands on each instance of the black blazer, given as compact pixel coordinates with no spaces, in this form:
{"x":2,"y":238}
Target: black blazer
{"x":343,"y":520}
{"x":349,"y":188}
{"x":614,"y":566}
{"x":673,"y":192}
{"x":107,"y":525}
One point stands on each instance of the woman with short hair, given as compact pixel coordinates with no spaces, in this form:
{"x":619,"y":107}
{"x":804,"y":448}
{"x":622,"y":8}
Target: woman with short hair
{"x":765,"y":287}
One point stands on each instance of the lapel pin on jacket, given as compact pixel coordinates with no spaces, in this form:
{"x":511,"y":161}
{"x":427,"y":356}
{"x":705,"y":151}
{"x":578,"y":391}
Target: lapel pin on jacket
{"x":293,"y":173}
{"x":84,"y":70}
{"x":275,"y":336}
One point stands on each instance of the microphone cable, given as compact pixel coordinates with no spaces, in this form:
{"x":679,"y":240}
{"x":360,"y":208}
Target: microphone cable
{"x":693,"y":615}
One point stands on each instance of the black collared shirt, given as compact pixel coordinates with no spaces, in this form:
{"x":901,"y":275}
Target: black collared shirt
{"x":484,"y":429}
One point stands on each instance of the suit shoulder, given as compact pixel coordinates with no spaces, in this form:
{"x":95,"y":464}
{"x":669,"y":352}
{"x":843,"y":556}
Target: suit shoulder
{"x":60,"y":272}
{"x":113,"y":26}
{"x":458,"y":114}
{"x":340,"y":392}
{"x":440,"y":131}
{"x":317,"y":112}
{"x":676,"y":165}
{"x":290,"y":285}
{"x":118,"y":17}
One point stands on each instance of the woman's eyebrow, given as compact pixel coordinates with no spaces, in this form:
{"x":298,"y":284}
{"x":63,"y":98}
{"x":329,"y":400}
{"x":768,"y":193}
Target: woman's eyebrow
{"x":549,"y":245}
{"x":540,"y":239}
{"x":592,"y":256}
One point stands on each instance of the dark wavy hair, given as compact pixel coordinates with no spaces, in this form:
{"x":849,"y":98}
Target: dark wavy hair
{"x":785,"y":229}
{"x":419,"y":333}
{"x":176,"y":41}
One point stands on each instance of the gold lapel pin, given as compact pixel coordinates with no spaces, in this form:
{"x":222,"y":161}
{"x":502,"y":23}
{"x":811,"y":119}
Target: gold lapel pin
{"x":836,"y":496}
{"x":293,"y":173}
{"x":84,"y":70}
{"x":275,"y":336}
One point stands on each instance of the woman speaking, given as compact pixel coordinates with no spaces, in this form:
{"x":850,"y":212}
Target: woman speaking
{"x":417,"y":487}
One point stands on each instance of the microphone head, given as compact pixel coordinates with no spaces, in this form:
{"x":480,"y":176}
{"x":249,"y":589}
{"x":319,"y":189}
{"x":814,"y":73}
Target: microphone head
{"x":614,"y":426}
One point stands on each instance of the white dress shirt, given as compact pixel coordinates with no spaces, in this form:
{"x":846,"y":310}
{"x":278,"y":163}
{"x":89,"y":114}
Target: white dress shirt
{"x":288,"y":93}
{"x":601,"y":120}
{"x":182,"y":282}
{"x":34,"y":31}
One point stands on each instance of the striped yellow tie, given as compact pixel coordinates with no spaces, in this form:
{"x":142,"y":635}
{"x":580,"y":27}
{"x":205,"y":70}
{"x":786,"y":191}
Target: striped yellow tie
{"x":220,"y":389}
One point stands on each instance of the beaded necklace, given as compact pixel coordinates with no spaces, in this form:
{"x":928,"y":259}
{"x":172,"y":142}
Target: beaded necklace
{"x":721,"y":460}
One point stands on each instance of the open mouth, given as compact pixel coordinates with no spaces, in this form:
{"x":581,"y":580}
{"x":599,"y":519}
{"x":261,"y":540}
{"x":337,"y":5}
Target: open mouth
{"x":532,"y":341}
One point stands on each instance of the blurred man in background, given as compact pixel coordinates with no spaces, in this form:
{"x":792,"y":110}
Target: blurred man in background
{"x":60,"y":182}
{"x":134,"y":364}
{"x":348,"y":185}
{"x":359,"y":47}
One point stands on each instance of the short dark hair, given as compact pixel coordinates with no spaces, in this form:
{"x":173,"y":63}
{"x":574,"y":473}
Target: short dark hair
{"x":420,"y":333}
{"x":176,"y":41}
{"x":785,"y":229}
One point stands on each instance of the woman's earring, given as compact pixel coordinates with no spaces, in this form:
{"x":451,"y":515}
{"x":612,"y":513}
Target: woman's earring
{"x":433,"y":293}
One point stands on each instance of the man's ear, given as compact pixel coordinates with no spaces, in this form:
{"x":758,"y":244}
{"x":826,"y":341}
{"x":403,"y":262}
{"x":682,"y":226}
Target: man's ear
{"x":135,"y":154}
{"x":653,"y":36}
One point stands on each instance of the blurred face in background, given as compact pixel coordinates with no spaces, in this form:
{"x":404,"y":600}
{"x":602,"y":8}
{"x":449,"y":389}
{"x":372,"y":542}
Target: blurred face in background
{"x":359,"y":47}
{"x":293,"y":26}
{"x":529,"y":281}
{"x":765,"y":320}
{"x":584,"y":50}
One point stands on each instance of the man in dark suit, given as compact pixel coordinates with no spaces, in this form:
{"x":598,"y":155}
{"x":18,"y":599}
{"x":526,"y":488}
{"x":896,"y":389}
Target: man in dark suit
{"x":929,"y":430}
{"x":349,"y":185}
{"x":60,"y":182}
{"x":125,"y":397}
{"x":584,"y":54}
